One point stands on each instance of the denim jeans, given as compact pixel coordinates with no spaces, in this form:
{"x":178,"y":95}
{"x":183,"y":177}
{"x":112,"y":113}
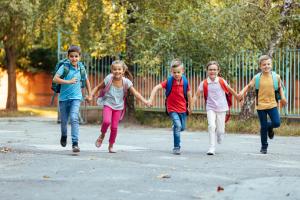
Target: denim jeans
{"x":70,"y":108}
{"x":179,"y":121}
{"x":265,"y":124}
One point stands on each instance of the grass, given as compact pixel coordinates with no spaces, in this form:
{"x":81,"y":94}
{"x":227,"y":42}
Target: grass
{"x":198,"y":122}
{"x":30,"y":111}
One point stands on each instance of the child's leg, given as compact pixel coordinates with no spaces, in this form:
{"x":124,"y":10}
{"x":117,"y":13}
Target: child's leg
{"x":262,"y":115}
{"x":74,"y":110}
{"x":116,"y":114}
{"x":64,"y":115}
{"x":220,"y":125}
{"x":211,"y":118}
{"x":275,"y":118}
{"x":106,"y":119}
{"x":182,"y":117}
{"x":176,"y":128}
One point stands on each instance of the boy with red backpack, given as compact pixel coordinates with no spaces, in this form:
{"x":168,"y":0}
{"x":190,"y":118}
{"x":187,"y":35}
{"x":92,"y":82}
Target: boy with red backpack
{"x":217,"y":96}
{"x":178,"y":100}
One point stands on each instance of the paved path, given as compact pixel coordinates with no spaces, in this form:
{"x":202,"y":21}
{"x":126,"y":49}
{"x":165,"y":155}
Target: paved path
{"x":33,"y":166}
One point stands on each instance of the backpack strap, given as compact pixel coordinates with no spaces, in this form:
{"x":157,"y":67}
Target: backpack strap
{"x":107,"y":86}
{"x":205,"y":90}
{"x":185,"y":86}
{"x":82,"y":74}
{"x":169,"y":85}
{"x":257,"y":80}
{"x":223,"y":85}
{"x":275,"y":80}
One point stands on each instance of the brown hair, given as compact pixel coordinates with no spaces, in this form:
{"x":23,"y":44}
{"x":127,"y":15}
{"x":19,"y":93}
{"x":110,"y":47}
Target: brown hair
{"x":74,"y":48}
{"x":212,"y":63}
{"x":127,"y":73}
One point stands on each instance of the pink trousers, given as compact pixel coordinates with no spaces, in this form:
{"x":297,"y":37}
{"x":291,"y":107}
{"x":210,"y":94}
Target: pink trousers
{"x":110,"y":117}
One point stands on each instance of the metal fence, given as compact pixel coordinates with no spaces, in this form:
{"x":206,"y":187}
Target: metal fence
{"x":241,"y":68}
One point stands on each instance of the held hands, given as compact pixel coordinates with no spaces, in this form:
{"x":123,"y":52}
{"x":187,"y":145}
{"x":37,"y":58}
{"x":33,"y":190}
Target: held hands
{"x":89,"y":98}
{"x":149,"y":103}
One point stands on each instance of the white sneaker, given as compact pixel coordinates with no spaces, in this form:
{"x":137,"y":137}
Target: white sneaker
{"x":210,"y":152}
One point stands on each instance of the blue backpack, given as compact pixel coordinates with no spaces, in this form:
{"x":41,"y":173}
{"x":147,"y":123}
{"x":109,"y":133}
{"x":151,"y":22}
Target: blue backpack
{"x":275,"y":84}
{"x":67,"y":64}
{"x":169,"y":89}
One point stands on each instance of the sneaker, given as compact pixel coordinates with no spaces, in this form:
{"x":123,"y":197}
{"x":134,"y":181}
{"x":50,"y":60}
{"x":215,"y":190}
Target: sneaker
{"x":75,"y":147}
{"x":210,"y":152}
{"x":63,"y":141}
{"x":263,"y":151}
{"x":270,"y":133}
{"x":176,"y":151}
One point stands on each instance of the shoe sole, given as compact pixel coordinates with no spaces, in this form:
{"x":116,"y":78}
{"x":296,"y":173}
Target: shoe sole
{"x":76,"y":150}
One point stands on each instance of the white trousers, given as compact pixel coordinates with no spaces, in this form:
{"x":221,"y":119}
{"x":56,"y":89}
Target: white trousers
{"x":216,"y":127}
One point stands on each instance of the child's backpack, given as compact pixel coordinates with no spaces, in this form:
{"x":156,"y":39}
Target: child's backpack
{"x":275,"y":84}
{"x":227,"y":94}
{"x":66,"y":63}
{"x":106,"y":89}
{"x":169,"y":89}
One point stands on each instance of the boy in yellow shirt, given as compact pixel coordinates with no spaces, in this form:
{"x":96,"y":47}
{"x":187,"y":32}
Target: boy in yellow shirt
{"x":266,"y":99}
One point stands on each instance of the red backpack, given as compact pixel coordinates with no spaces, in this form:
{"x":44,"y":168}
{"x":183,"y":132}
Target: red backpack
{"x":227,"y":94}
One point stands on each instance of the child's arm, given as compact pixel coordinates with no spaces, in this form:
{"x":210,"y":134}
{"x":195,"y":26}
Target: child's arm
{"x":233,"y":92}
{"x":138,"y":96}
{"x":196,"y":95}
{"x":153,"y":92}
{"x":58,"y":80}
{"x":246,"y":88}
{"x":97,"y":88}
{"x":190,"y":100}
{"x":88,"y":87}
{"x":283,"y":99}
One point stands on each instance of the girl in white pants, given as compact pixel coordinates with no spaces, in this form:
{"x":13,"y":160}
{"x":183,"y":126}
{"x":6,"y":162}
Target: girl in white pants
{"x":215,"y":89}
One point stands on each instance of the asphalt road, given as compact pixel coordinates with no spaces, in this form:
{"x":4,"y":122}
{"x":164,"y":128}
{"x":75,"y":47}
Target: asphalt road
{"x":33,"y":165}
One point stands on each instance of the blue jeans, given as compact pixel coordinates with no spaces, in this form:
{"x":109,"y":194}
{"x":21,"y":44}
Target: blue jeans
{"x":179,"y":121}
{"x":70,"y":108}
{"x":265,"y":124}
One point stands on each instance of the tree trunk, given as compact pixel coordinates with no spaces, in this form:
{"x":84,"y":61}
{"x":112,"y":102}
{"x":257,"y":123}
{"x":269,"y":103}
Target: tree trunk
{"x":282,"y":26}
{"x":129,"y":58}
{"x":10,"y":56}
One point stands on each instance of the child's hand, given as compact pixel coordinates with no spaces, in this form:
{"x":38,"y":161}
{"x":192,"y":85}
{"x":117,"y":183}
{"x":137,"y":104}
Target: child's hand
{"x":89,"y":98}
{"x":148,"y":104}
{"x":73,"y":80}
{"x":283,"y":102}
{"x":190,"y":111}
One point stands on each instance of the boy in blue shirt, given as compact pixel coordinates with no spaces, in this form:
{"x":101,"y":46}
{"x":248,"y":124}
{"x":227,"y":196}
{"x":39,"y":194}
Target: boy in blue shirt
{"x":71,"y":95}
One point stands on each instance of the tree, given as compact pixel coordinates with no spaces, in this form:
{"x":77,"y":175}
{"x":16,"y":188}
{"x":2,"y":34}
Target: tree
{"x":15,"y":33}
{"x":279,"y":33}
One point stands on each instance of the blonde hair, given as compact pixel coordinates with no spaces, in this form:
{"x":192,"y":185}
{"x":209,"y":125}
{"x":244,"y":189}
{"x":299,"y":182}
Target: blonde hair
{"x":263,"y":58}
{"x":127,"y":73}
{"x":176,"y":63}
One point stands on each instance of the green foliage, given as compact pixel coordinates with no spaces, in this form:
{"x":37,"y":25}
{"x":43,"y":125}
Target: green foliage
{"x":42,"y":59}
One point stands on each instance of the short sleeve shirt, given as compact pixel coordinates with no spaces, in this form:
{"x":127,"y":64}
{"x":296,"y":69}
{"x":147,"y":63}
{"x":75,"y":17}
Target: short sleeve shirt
{"x":176,"y":101}
{"x":216,"y":98}
{"x":70,"y":91}
{"x":114,"y":97}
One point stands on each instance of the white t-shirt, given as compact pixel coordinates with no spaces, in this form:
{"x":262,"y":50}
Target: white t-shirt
{"x":114,"y":97}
